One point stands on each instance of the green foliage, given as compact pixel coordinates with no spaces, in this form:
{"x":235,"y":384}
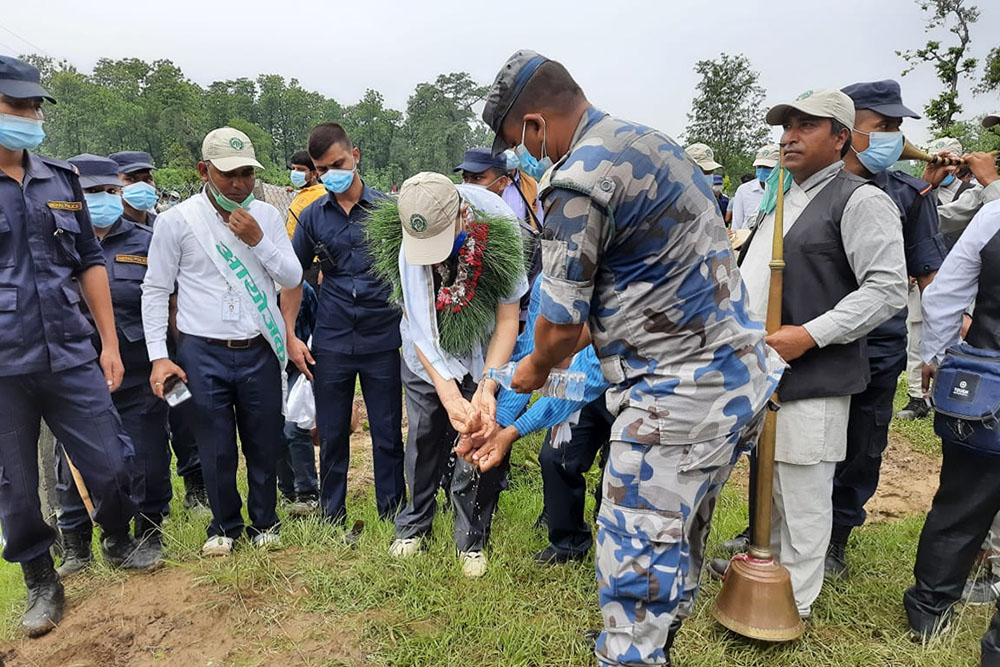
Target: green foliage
{"x":950,"y":62}
{"x":131,"y":104}
{"x":728,"y":113}
{"x":182,"y":179}
{"x":991,"y":73}
{"x":973,"y":136}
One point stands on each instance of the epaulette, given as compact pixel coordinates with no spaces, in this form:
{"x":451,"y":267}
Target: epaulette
{"x":920,"y":185}
{"x":61,"y":164}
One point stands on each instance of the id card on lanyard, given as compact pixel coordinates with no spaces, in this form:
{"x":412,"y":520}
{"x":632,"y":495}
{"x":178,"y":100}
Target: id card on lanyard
{"x":231,"y":307}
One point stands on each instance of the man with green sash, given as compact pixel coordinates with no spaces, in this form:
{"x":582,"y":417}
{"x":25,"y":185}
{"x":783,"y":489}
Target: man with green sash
{"x":222,"y":251}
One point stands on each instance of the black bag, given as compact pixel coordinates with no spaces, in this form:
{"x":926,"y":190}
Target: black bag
{"x":967,"y":398}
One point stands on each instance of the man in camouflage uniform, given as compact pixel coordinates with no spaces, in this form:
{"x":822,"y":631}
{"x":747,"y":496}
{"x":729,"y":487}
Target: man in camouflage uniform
{"x":635,"y":247}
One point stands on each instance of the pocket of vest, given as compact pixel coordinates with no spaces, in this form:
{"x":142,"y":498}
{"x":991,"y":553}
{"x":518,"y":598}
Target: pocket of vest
{"x":821,"y":246}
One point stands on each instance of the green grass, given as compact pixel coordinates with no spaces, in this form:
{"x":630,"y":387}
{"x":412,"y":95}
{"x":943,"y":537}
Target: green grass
{"x":422,"y":612}
{"x":918,"y":432}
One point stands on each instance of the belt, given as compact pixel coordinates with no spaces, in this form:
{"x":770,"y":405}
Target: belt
{"x":239,"y":344}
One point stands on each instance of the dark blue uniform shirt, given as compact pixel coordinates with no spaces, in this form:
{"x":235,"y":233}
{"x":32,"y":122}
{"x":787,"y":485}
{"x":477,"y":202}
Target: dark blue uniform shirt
{"x":924,"y":248}
{"x":45,"y":241}
{"x":126,"y":248}
{"x":150,"y":219}
{"x":354,"y":314}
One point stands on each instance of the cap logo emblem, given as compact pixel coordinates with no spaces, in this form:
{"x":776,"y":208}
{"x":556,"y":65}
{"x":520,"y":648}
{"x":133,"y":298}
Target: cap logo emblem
{"x":236,"y":144}
{"x":417,"y":222}
{"x":804,"y":95}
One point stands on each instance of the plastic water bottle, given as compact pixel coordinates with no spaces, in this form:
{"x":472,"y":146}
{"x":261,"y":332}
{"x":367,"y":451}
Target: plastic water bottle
{"x":561,"y":383}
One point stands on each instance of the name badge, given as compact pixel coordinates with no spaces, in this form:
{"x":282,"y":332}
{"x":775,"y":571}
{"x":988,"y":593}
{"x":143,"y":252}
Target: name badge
{"x":132,"y":259}
{"x":65,"y":205}
{"x":231,"y":308}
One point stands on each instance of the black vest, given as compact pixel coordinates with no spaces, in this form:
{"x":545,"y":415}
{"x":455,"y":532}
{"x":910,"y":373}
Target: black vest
{"x":817,"y":276}
{"x":985,"y":329}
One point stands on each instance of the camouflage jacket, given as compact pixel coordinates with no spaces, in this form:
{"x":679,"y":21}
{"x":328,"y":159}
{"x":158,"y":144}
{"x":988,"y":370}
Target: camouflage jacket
{"x":634,"y":245}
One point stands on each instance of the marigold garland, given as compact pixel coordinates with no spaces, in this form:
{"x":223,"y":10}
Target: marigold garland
{"x":490,"y":263}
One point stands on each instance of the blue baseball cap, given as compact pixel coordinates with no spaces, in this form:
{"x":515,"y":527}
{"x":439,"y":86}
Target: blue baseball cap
{"x":95,"y":170}
{"x":718,"y":179}
{"x":506,"y":88}
{"x":478,"y":160}
{"x":881,"y":97}
{"x":129,"y":161}
{"x":20,"y":80}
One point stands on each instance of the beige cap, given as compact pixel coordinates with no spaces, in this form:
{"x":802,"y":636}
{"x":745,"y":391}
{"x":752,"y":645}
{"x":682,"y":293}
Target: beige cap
{"x":428,"y":209}
{"x":945,"y":144}
{"x":992,"y":119}
{"x":767,"y":156}
{"x":227,"y":148}
{"x":823,"y":103}
{"x":703,"y":156}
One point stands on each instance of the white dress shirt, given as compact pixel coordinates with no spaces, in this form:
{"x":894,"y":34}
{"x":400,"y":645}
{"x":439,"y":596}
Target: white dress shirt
{"x":956,"y":285}
{"x":177,"y":262}
{"x":873,"y":241}
{"x":745,"y":204}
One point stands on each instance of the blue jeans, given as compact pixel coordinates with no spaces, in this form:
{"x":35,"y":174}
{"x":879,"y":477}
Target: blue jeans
{"x":297,"y":467}
{"x":235,"y":389}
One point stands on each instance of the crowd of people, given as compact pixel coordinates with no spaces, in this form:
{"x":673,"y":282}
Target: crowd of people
{"x":578,"y":240}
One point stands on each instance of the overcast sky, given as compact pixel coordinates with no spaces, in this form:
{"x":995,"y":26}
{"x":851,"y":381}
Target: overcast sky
{"x":633,"y":58}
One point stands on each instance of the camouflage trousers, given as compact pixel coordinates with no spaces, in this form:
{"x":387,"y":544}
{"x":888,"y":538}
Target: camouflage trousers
{"x":654,"y":520}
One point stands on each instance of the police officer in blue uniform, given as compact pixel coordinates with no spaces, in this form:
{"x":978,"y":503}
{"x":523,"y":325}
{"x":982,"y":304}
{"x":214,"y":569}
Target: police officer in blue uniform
{"x":876,"y":144}
{"x":139,"y":197}
{"x":125,"y":246}
{"x":48,"y":366}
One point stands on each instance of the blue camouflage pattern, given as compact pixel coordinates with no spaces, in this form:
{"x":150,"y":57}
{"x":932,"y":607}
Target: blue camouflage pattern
{"x":634,"y":245}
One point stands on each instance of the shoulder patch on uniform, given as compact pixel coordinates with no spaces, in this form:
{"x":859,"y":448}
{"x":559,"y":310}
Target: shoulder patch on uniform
{"x":62,"y":164}
{"x":918,"y":184}
{"x":132,"y":259}
{"x":65,"y":205}
{"x":927,"y":189}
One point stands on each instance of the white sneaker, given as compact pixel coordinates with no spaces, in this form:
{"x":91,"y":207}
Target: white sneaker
{"x":406,"y":547}
{"x":267,"y":539}
{"x":218,"y":546}
{"x":473,"y":564}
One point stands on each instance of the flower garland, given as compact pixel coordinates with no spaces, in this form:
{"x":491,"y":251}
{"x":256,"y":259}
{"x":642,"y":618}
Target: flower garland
{"x":490,"y":263}
{"x":456,"y":295}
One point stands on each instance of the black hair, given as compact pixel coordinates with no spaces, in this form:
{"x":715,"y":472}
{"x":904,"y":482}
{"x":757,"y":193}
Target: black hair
{"x":746,"y":178}
{"x":302,"y":159}
{"x":550,"y":87}
{"x":325,"y":135}
{"x":836,"y":127}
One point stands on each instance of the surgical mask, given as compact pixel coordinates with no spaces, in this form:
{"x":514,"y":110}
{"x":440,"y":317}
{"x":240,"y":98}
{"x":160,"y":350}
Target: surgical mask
{"x":224,"y":202}
{"x":18,"y":132}
{"x":884,"y":148}
{"x":709,"y":180}
{"x":947,"y":180}
{"x":459,"y":242}
{"x":529,"y":163}
{"x":105,"y":208}
{"x":717,"y":189}
{"x":338,"y":180}
{"x":511,"y":158}
{"x":140,"y":196}
{"x":763,"y":173}
{"x":298,"y":178}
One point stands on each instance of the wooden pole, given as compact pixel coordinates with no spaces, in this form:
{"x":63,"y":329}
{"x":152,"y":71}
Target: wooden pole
{"x":760,"y":546}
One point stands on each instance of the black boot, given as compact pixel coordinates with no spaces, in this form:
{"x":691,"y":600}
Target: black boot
{"x":149,"y":534}
{"x":835,"y":567}
{"x":76,"y":551}
{"x":675,"y":626}
{"x":195,"y":495}
{"x":45,"y":596}
{"x":737,"y":544}
{"x":124,"y":552}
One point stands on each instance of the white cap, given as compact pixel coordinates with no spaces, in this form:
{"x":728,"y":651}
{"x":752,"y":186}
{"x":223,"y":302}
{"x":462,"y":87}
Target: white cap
{"x":767,"y":156}
{"x":992,"y":119}
{"x":823,"y":103}
{"x":703,"y":156}
{"x":429,"y":206}
{"x":227,"y":148}
{"x":945,"y":144}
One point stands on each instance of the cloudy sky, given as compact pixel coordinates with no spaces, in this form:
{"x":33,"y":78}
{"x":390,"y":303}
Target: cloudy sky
{"x":633,"y":58}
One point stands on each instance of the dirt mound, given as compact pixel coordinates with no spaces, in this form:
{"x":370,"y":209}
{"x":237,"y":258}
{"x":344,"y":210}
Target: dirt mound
{"x":906,"y":485}
{"x":161,"y":618}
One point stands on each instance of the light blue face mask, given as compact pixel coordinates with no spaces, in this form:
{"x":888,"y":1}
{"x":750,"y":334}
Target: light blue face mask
{"x":18,"y":132}
{"x":298,"y":178}
{"x":338,"y":180}
{"x":763,"y":173}
{"x":531,"y":165}
{"x":105,"y":208}
{"x":141,"y":196}
{"x":884,"y":148}
{"x":947,"y":180}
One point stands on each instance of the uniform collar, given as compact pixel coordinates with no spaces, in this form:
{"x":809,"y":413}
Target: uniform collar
{"x":590,"y":117}
{"x":35,"y":168}
{"x":120,"y":226}
{"x":369,"y":196}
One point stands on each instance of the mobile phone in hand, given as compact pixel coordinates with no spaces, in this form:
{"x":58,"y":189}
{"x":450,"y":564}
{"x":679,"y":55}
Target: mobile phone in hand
{"x":175,"y":391}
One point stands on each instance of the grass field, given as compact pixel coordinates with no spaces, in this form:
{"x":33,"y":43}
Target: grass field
{"x":319,"y":602}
